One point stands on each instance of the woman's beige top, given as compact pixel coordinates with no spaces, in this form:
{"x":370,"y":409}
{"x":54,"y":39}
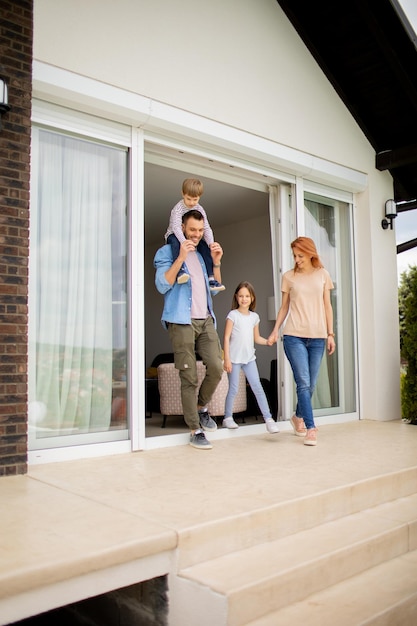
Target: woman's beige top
{"x":306,"y":317}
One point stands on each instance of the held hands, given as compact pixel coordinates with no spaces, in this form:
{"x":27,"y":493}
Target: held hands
{"x":273,"y":338}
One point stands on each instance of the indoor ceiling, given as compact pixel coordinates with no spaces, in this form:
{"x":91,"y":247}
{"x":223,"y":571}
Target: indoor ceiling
{"x":227,"y":199}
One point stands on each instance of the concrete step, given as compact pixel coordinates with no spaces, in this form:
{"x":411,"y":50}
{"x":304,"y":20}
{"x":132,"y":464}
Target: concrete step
{"x":241,"y":586}
{"x":384,"y":595}
{"x":261,"y":525}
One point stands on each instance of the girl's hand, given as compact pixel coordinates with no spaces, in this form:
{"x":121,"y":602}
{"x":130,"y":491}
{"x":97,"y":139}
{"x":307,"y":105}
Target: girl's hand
{"x":227,"y":366}
{"x":273,"y":338}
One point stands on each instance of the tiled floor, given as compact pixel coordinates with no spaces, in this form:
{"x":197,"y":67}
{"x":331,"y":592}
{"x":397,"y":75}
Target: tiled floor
{"x":66,"y":520}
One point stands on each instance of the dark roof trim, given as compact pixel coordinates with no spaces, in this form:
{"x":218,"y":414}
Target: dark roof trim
{"x":368,"y":51}
{"x":407,"y":245}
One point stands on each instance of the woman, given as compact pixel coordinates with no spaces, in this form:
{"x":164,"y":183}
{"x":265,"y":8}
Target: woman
{"x":309,"y":326}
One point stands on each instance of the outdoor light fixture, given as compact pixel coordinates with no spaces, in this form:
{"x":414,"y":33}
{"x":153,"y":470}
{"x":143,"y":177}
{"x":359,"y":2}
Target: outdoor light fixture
{"x":390,"y":214}
{"x":4,"y":99}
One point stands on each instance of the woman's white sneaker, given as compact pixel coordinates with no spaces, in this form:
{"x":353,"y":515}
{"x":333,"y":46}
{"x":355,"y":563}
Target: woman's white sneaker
{"x":229,"y":422}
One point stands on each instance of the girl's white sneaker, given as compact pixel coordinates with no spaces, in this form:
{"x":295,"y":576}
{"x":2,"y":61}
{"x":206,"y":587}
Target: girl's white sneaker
{"x":229,"y":422}
{"x":271,"y":425}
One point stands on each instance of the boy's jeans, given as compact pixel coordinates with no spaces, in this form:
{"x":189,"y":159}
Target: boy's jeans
{"x":305,"y":357}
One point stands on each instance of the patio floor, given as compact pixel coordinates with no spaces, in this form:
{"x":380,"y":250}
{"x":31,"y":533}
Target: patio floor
{"x":65,"y":524}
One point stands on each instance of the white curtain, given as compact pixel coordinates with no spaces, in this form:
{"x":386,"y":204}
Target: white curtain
{"x":72,"y":291}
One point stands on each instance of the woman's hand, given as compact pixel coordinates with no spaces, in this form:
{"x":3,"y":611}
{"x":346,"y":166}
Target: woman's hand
{"x":331,"y":345}
{"x":227,"y":366}
{"x":273,"y":338}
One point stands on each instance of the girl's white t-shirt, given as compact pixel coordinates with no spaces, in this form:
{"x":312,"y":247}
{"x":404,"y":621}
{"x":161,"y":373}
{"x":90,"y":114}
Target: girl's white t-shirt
{"x":242,"y":343}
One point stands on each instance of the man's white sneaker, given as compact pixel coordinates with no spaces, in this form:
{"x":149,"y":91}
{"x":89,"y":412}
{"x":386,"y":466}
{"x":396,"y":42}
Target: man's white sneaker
{"x":271,"y":426}
{"x":229,"y":422}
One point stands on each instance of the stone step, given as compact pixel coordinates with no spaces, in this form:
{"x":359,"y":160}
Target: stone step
{"x":384,"y":595}
{"x":246,"y":584}
{"x":261,"y":525}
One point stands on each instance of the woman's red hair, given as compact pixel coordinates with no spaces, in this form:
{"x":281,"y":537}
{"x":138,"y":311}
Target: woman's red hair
{"x":308,"y":247}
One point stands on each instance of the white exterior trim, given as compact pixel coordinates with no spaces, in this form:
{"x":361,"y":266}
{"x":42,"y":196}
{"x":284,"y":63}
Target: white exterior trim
{"x":66,"y":88}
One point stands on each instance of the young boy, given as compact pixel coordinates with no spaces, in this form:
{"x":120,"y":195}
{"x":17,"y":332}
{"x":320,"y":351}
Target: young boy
{"x":192,"y":190}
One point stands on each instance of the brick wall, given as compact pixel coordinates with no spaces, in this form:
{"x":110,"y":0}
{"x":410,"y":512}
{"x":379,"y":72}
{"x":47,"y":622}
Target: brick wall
{"x":16,"y":30}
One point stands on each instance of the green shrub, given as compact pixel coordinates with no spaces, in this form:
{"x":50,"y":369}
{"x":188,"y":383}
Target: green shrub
{"x":407,"y":298}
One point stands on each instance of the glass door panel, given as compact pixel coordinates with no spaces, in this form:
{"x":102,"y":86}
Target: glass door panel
{"x":327,"y":222}
{"x":77,"y":292}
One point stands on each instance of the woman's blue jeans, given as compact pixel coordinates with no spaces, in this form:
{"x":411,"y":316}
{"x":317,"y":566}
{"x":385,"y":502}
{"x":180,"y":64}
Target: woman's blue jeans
{"x":252,"y":375}
{"x":305,"y":357}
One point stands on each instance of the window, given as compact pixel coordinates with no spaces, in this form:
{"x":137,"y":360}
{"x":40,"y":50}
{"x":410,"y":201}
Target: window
{"x":77,"y":292}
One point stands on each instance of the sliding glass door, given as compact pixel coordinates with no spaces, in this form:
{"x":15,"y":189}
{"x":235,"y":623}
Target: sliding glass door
{"x":328,"y":223}
{"x":77,"y":292}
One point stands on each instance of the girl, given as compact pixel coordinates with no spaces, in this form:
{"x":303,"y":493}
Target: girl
{"x":240,"y":334}
{"x":306,"y":301}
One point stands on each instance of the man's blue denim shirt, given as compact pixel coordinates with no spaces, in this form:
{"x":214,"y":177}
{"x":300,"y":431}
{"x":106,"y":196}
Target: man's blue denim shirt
{"x":177,"y":298}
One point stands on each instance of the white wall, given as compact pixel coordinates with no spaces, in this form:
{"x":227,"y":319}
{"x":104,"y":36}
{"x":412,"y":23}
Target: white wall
{"x":378,"y":341}
{"x":239,"y":62}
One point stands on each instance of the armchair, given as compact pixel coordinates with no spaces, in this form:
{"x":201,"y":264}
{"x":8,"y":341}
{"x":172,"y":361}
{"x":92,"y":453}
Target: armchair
{"x":170,"y":392}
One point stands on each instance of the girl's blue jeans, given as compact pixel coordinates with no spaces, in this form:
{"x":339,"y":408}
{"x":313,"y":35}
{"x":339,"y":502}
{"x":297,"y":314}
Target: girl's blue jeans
{"x":305,"y":357}
{"x":252,"y":375}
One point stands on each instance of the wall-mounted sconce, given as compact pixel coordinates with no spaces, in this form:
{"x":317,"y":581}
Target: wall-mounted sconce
{"x":390,"y":214}
{"x":4,"y":97}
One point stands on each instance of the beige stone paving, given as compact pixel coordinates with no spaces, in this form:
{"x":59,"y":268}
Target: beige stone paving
{"x":68,"y":518}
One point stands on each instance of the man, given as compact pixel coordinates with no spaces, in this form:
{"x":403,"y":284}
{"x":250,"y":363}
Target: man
{"x":189,"y":318}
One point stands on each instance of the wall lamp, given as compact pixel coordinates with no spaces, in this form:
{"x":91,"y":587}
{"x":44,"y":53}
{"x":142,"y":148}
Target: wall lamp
{"x":390,"y":214}
{"x":4,"y":97}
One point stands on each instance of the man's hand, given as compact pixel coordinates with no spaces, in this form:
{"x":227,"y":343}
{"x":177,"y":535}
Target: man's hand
{"x":186,"y":246}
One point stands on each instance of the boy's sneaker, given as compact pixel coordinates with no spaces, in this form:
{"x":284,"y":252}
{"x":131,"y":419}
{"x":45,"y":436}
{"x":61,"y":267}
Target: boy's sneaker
{"x":229,"y":422}
{"x":271,"y":426}
{"x":183,"y":278}
{"x":206,"y":421}
{"x":198,"y":440}
{"x":216,"y":286}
